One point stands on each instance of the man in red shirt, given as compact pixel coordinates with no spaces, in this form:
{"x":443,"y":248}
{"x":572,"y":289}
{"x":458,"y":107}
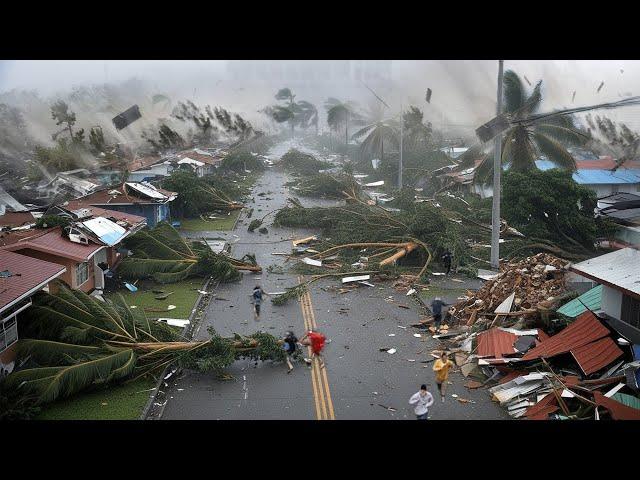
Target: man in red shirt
{"x":316,"y":341}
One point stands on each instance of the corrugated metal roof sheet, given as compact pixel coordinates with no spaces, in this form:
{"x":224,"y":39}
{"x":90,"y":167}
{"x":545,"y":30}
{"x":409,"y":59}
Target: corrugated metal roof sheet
{"x":584,"y":330}
{"x":606,"y":177}
{"x":107,"y":231}
{"x":592,"y":299}
{"x":543,"y":408}
{"x":596,"y":355}
{"x":495,"y":343}
{"x":618,"y":269}
{"x":628,"y":400}
{"x":27,"y":274}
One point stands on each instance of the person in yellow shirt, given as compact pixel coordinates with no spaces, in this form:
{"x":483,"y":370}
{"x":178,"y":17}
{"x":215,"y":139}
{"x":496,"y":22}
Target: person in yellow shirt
{"x":442,"y":367}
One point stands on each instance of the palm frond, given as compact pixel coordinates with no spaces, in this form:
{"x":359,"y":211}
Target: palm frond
{"x":513,"y":94}
{"x":555,"y":151}
{"x":47,"y":352}
{"x":52,"y":383}
{"x":562,"y":134}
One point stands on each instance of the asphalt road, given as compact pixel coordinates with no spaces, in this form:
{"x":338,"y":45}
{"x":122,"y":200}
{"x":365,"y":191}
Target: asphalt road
{"x":359,"y":381}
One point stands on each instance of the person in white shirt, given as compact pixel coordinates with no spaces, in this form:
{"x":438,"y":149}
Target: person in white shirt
{"x":422,"y":401}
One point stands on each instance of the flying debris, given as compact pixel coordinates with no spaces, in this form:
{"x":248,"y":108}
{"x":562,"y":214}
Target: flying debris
{"x":573,"y":97}
{"x":428,"y":97}
{"x":525,"y":77}
{"x":600,"y":87}
{"x":127,"y":117}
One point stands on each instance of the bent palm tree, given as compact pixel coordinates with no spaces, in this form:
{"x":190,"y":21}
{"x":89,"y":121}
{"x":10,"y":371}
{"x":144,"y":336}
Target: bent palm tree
{"x":376,"y":135}
{"x":308,"y":115}
{"x":165,"y":256}
{"x":75,"y":341}
{"x":525,"y":142}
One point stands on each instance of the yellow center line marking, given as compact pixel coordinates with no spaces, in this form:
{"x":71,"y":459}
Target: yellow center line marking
{"x":323,"y":371}
{"x":316,"y":395}
{"x":315,"y":368}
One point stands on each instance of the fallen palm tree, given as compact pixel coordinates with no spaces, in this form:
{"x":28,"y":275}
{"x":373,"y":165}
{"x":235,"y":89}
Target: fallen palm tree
{"x":301,"y":163}
{"x":73,"y":342}
{"x":218,"y":200}
{"x":165,"y":256}
{"x":325,"y":185}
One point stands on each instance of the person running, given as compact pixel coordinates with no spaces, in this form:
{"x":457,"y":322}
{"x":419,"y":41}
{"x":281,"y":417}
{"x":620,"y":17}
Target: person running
{"x":436,"y":308}
{"x":316,"y":341}
{"x":442,"y":367}
{"x":422,"y":401}
{"x":291,"y":346}
{"x":257,"y":295}
{"x":446,"y":258}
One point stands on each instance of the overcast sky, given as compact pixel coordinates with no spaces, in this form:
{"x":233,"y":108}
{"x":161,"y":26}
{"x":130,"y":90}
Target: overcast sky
{"x":464,"y":90}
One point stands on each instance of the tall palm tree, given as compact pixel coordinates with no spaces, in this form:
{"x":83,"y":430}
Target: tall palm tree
{"x":376,"y":135}
{"x":340,"y":114}
{"x":288,"y":112}
{"x":308,"y":115}
{"x":524,"y":143}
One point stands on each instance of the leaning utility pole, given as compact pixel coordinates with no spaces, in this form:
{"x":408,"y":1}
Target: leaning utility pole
{"x":401,"y":134}
{"x":497,"y":170}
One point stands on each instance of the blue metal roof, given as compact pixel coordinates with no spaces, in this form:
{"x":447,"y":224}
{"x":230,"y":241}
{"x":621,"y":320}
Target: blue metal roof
{"x":585,"y":176}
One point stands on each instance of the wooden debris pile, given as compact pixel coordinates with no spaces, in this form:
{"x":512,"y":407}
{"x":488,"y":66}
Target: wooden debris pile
{"x":534,"y":284}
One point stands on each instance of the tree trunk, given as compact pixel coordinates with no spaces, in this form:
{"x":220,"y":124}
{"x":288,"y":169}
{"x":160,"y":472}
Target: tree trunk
{"x":381,"y":150}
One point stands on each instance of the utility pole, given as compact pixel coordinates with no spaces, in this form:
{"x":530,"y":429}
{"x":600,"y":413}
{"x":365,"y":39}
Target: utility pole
{"x":401,"y":135}
{"x":497,"y":170}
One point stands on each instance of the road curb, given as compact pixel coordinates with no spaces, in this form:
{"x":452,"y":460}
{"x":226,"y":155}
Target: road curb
{"x":187,"y":332}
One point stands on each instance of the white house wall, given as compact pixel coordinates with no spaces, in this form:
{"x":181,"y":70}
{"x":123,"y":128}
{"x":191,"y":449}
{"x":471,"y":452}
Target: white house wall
{"x":611,"y":302}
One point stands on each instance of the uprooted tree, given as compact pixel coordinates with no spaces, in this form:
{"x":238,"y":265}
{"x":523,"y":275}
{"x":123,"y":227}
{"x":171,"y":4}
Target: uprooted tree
{"x":165,"y":256}
{"x":72,"y":342}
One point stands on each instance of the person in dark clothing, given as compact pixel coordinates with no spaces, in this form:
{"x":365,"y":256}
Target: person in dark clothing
{"x":436,"y":308}
{"x":291,"y":346}
{"x":257,"y":295}
{"x":446,"y":259}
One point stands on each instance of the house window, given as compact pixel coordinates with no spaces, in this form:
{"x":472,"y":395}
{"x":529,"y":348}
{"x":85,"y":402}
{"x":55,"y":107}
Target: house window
{"x":8,"y":333}
{"x":82,"y":273}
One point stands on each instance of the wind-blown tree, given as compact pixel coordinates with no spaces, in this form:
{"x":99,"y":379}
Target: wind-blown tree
{"x":308,"y":115}
{"x":165,"y":256}
{"x":376,"y":135}
{"x":288,"y":112}
{"x":417,"y":134}
{"x":71,"y":342}
{"x":165,"y":138}
{"x":62,"y":115}
{"x":188,"y":111}
{"x":524,"y":143}
{"x":608,"y":137}
{"x":232,"y":124}
{"x":340,"y":115}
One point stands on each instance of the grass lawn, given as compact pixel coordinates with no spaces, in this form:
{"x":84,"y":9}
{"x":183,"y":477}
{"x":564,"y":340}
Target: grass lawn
{"x":124,"y":402}
{"x":184,"y":297}
{"x":219,"y":224}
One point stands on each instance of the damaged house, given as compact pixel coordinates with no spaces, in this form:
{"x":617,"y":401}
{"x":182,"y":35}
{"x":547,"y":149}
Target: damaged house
{"x":136,"y":198}
{"x":20,"y":278}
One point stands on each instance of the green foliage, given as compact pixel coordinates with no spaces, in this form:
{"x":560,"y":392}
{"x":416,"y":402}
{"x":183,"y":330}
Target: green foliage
{"x":255,"y":223}
{"x":62,"y":157}
{"x":48,"y":221}
{"x":96,"y":140}
{"x":324,"y":185}
{"x":302,"y":163}
{"x":550,"y":205}
{"x":241,"y":161}
{"x":61,"y":114}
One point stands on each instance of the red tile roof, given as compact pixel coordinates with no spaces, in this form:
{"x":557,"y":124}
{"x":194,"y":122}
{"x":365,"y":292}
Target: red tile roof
{"x":193,"y":155}
{"x":605,"y":163}
{"x":618,"y":411}
{"x":495,"y":343}
{"x":511,"y":375}
{"x":27,"y":274}
{"x":144,"y":162}
{"x":53,"y":243}
{"x":596,"y":355}
{"x":16,"y":219}
{"x":584,"y":330}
